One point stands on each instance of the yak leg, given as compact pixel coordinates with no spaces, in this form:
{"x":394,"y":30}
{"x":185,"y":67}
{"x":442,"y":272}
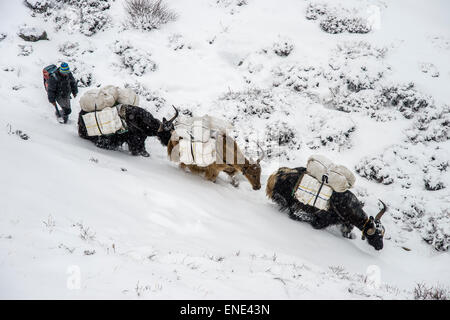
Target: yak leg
{"x":136,"y":144}
{"x":108,"y":142}
{"x":211,"y":174}
{"x":231,"y":172}
{"x":346,"y":230}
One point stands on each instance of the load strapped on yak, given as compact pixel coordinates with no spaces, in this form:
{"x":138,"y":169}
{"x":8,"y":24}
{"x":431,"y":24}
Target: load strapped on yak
{"x":197,"y":139}
{"x":103,"y":109}
{"x":321,"y":179}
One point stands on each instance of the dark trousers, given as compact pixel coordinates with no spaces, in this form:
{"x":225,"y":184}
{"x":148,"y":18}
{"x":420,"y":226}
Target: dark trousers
{"x":64,"y":103}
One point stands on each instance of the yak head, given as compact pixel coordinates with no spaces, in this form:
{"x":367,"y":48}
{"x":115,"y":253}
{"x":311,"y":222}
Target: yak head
{"x":166,"y":127}
{"x":373,"y":230}
{"x":252,"y":171}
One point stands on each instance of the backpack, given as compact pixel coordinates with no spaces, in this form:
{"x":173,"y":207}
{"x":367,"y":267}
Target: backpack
{"x":47,"y":72}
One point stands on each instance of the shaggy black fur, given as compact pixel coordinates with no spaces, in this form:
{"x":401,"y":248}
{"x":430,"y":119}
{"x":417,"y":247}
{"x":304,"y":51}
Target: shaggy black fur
{"x":141,"y":124}
{"x":345,"y":209}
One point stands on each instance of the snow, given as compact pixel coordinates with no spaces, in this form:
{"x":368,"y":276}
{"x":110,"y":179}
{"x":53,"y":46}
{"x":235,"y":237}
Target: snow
{"x":134,"y":227}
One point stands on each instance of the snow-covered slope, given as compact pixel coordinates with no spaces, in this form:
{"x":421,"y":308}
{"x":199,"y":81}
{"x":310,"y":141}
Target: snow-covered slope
{"x":130,"y":227}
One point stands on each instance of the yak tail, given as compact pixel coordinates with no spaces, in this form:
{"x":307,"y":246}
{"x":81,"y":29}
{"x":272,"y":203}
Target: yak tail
{"x":271,"y":184}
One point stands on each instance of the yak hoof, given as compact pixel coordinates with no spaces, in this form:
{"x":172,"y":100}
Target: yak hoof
{"x":141,"y":153}
{"x":234,"y":183}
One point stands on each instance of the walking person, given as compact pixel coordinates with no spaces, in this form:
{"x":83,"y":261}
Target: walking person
{"x":60,"y":84}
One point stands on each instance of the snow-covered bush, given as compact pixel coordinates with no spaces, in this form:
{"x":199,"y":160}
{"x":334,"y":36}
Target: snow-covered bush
{"x":430,"y":124}
{"x":25,"y":50}
{"x":136,"y":60}
{"x":359,"y":76}
{"x":83,"y":73}
{"x":280,"y":139}
{"x":254,"y":102}
{"x":92,"y":16}
{"x":39,"y":6}
{"x":151,"y":99}
{"x":297,"y":77}
{"x":315,"y":11}
{"x":417,"y":212}
{"x":435,"y":170}
{"x":336,"y":24}
{"x":333,"y":132}
{"x":85,"y":16}
{"x":69,"y":49}
{"x":148,"y":14}
{"x":429,"y":68}
{"x":386,"y":167}
{"x":177,"y":42}
{"x":407,"y":99}
{"x":231,"y":5}
{"x":283,"y":47}
{"x":359,"y":49}
{"x":370,"y":102}
{"x":421,"y":166}
{"x":337,"y":19}
{"x":3,"y":36}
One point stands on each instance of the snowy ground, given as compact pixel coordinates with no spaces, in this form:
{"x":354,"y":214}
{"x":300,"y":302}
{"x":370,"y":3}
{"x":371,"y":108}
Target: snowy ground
{"x":81,"y":222}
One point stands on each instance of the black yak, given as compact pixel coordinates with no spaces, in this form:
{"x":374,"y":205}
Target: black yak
{"x":140,"y":124}
{"x":345,"y":209}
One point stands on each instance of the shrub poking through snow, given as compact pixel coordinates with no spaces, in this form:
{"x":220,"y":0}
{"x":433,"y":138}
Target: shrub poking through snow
{"x":85,"y":16}
{"x":424,"y":292}
{"x":254,"y":102}
{"x":421,"y":166}
{"x":148,"y":14}
{"x":415,"y":212}
{"x":384,"y":167}
{"x":25,"y":50}
{"x":82,"y":73}
{"x":232,"y":5}
{"x":39,"y":6}
{"x":430,"y":124}
{"x":297,"y":77}
{"x":332,"y":132}
{"x":283,"y":47}
{"x":136,"y":60}
{"x":337,"y":19}
{"x":280,"y":140}
{"x":152,"y":99}
{"x":69,"y":49}
{"x":407,"y":99}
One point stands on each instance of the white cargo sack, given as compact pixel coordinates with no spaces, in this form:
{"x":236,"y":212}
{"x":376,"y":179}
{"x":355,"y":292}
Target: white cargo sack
{"x":197,"y":139}
{"x":102,"y":122}
{"x":202,"y":128}
{"x":340,"y":179}
{"x":201,"y":154}
{"x":127,"y":96}
{"x":308,"y":193}
{"x":98,"y":99}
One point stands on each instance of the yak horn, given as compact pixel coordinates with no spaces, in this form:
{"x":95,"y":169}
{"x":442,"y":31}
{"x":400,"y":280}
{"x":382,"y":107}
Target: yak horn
{"x":382,"y":211}
{"x":263,"y":154}
{"x":175,"y":116}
